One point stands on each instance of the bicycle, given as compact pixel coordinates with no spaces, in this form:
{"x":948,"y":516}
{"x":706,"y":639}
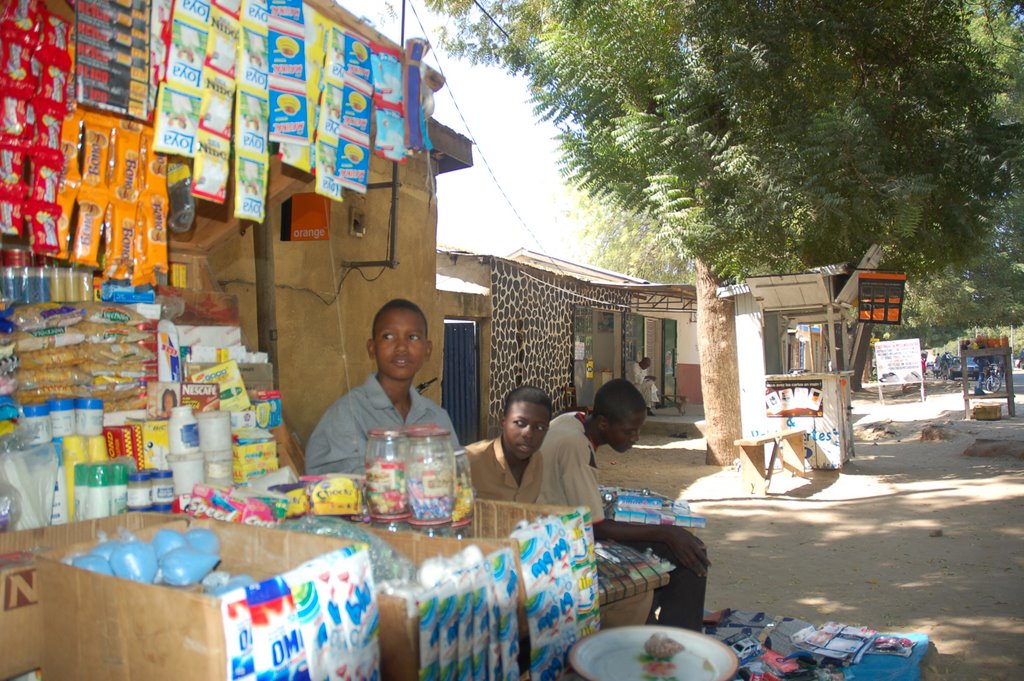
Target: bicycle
{"x":992,"y":377}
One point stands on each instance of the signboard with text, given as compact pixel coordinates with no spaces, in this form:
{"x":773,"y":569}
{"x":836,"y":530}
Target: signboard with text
{"x":899,"y":361}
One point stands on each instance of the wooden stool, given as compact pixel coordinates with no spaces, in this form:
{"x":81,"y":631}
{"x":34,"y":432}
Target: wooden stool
{"x":755,"y":478}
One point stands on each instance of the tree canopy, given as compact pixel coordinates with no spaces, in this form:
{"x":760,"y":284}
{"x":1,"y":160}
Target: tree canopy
{"x":772,"y":135}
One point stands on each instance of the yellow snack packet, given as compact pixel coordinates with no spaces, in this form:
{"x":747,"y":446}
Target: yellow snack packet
{"x":119,"y":262}
{"x":213,"y":164}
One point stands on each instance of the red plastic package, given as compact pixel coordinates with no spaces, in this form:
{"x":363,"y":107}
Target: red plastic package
{"x":10,"y":217}
{"x":42,"y":218}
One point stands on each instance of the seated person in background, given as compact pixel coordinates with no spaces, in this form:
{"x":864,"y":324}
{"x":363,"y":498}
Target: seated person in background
{"x":645,"y":383}
{"x":570,"y":479}
{"x":387,"y":399}
{"x":505,"y":468}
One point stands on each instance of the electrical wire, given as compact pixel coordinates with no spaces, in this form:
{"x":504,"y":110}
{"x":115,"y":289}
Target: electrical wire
{"x":472,"y":138}
{"x":491,"y":19}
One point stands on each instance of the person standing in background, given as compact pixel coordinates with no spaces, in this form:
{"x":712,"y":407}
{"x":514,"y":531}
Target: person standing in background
{"x":640,"y":377}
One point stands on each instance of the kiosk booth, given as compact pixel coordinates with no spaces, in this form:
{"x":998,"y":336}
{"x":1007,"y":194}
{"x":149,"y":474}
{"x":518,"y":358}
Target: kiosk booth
{"x":794,"y":339}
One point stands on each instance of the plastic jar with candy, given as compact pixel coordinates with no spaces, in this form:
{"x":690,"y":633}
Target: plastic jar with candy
{"x":462,"y":512}
{"x":430,"y":466}
{"x":386,"y":492}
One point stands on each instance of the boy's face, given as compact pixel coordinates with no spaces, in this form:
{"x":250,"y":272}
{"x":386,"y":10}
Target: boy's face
{"x":621,"y":435}
{"x":523,"y":429}
{"x":399,"y":344}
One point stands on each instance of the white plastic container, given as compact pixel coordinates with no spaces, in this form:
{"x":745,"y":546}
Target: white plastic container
{"x":183,"y":431}
{"x":62,"y":416}
{"x":214,"y":431}
{"x":188,"y":469}
{"x":88,"y":416}
{"x":35,"y":424}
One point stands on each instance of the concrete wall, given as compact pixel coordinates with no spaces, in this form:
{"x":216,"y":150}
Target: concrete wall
{"x":322,"y":330}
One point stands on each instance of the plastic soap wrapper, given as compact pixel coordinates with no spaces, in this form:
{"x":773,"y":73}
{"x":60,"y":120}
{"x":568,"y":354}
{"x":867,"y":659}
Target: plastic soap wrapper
{"x":428,"y":605}
{"x":213,"y":164}
{"x":250,"y":188}
{"x":355,"y":608}
{"x":237,"y":621}
{"x":278,"y":649}
{"x":311,"y":614}
{"x":504,"y":585}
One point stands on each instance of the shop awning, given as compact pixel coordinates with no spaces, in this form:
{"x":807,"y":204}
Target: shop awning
{"x":791,"y":294}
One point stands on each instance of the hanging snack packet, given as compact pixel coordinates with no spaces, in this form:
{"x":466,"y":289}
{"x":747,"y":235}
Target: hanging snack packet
{"x":119,"y":261}
{"x":353,"y":170}
{"x":389,"y":142}
{"x":327,"y":183}
{"x":253,"y":55}
{"x":187,"y":51}
{"x":221,"y":50}
{"x":212,"y":167}
{"x":47,"y":140}
{"x":215,"y":112}
{"x":357,"y":59}
{"x":95,"y":163}
{"x":45,"y":182}
{"x":93,"y":214}
{"x":127,"y":162}
{"x":177,"y":119}
{"x":251,"y":111}
{"x":250,"y":188}
{"x":42,"y":218}
{"x":386,"y":64}
{"x":355,"y":112}
{"x":151,"y":244}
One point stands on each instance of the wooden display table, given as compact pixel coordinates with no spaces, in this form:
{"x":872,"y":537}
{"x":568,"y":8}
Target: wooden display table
{"x":1000,"y":353}
{"x":756,"y":477}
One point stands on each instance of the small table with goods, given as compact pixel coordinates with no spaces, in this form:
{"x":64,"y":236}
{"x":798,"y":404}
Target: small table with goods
{"x":995,"y":351}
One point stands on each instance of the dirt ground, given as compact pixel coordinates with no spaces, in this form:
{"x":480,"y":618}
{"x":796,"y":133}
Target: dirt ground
{"x":911,"y":536}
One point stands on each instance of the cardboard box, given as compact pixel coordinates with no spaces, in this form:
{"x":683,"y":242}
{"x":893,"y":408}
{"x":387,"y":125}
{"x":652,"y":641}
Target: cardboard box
{"x":255,"y":376}
{"x":399,"y":632}
{"x":987,"y":412}
{"x":102,"y":627}
{"x":21,"y":617}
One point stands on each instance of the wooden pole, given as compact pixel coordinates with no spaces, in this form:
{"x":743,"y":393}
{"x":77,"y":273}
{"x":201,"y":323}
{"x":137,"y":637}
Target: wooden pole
{"x":266,"y":303}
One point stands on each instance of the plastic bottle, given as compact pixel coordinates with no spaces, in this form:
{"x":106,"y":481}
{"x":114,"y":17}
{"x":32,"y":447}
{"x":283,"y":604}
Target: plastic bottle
{"x":62,"y":417}
{"x":98,"y":499}
{"x":118,"y":488}
{"x":140,"y":491}
{"x":183,"y":431}
{"x":35,"y":423}
{"x":88,"y":416}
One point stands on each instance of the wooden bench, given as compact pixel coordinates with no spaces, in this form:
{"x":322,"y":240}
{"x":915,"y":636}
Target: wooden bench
{"x":756,"y":477}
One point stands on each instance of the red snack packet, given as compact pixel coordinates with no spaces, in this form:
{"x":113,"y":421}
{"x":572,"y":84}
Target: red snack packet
{"x":10,"y":217}
{"x":42,"y":218}
{"x":16,"y":77}
{"x":45,"y":182}
{"x":12,"y":168}
{"x":13,"y":114}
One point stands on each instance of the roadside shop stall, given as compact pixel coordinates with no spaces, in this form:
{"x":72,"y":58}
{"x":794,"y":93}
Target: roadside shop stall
{"x":793,"y":361}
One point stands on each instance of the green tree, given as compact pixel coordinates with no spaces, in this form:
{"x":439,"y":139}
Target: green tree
{"x":765,"y":135}
{"x":623,"y":241}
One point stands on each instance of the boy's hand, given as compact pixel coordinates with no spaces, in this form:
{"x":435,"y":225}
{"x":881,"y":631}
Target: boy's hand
{"x":688,"y":550}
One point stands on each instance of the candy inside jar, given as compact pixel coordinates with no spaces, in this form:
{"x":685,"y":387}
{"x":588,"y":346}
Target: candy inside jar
{"x":430,"y":469}
{"x":386,"y":490}
{"x":462,"y":512}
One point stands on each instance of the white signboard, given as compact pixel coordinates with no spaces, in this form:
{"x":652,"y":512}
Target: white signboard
{"x":899,"y":361}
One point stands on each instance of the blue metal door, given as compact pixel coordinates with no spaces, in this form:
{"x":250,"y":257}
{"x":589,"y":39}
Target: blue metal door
{"x":460,"y":389}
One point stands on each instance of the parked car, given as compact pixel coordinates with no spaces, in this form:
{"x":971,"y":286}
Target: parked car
{"x":954,"y":371}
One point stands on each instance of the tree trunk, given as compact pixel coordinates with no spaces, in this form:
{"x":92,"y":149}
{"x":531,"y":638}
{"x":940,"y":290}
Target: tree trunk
{"x":719,"y":370}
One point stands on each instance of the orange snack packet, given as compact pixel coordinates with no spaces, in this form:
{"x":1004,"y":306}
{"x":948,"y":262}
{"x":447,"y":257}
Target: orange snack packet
{"x":96,"y":163}
{"x":127,"y":161}
{"x":93,"y":213}
{"x":119,"y":262}
{"x":150,"y":248}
